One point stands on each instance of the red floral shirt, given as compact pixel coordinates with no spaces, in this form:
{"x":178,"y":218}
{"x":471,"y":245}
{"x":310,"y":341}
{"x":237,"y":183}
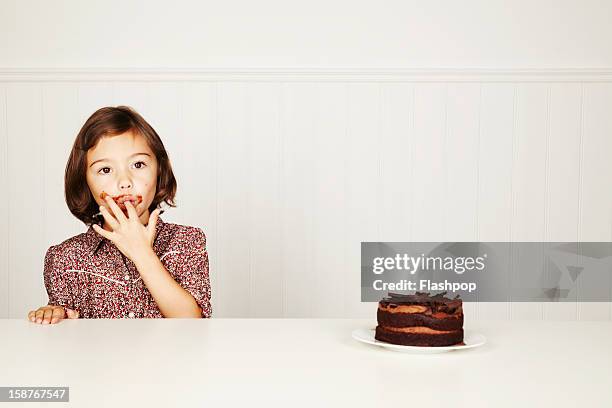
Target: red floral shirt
{"x":89,"y":274}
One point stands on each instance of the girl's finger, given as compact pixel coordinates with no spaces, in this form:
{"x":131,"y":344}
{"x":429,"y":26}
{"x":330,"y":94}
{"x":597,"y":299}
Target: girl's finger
{"x":153,"y":219}
{"x":57,"y":315}
{"x":108,"y":216}
{"x":101,"y":231}
{"x":116,"y":211}
{"x":39,"y":315}
{"x":47,"y":316}
{"x":32,"y":316}
{"x":112,"y":221}
{"x":132,"y":214}
{"x":152,"y":223}
{"x":72,"y":314}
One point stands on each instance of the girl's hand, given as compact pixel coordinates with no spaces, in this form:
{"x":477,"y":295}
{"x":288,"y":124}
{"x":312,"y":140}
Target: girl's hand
{"x":51,"y":314}
{"x":132,"y":238}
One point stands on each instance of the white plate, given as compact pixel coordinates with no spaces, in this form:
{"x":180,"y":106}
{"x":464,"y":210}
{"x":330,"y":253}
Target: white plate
{"x":470,"y":339}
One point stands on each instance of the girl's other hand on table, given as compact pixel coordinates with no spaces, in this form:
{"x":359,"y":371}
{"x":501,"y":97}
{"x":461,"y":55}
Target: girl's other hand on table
{"x":51,"y":314}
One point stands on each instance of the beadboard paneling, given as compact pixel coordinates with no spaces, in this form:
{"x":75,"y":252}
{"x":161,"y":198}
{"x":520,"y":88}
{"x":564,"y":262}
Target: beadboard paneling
{"x":287,"y":172}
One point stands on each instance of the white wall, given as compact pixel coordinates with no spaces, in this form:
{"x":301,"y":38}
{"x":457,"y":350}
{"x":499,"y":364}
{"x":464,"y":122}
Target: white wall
{"x":287,"y":170}
{"x":277,"y":33}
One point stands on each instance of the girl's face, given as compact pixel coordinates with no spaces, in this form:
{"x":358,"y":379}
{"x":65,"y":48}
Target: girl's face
{"x":123,"y":164}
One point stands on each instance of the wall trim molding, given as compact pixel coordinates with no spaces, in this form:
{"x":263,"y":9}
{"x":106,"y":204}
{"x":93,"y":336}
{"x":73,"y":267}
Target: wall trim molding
{"x":307,"y":74}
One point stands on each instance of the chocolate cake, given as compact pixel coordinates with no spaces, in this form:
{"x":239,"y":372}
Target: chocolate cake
{"x":420,"y":320}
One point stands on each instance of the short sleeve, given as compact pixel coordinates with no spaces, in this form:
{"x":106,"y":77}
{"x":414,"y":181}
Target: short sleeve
{"x":56,"y":284}
{"x":189,"y":267}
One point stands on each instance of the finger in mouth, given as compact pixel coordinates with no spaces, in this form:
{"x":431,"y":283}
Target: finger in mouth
{"x":122,"y":198}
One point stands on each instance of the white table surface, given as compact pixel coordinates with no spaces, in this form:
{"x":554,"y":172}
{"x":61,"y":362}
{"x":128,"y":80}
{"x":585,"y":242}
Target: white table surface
{"x":304,"y":362}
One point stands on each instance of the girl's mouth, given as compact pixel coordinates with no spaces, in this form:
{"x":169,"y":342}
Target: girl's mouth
{"x":122,"y":198}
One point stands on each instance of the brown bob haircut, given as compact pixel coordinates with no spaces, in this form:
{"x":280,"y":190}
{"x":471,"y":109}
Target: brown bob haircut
{"x":112,"y":121}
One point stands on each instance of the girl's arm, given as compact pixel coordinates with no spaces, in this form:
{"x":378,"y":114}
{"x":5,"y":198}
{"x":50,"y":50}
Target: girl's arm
{"x":60,"y":298}
{"x":171,"y":298}
{"x":57,"y":284}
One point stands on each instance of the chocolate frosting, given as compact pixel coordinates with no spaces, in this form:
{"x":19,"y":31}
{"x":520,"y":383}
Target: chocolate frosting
{"x":437,"y":302}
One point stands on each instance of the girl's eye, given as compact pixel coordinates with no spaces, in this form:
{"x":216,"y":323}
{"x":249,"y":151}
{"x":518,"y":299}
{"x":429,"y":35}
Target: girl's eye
{"x":138,"y":165}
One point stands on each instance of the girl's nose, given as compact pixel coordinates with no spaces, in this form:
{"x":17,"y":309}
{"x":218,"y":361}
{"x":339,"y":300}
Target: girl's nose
{"x":125,"y":185}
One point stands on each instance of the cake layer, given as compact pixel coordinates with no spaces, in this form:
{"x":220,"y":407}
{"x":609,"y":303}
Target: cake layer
{"x":428,"y":310}
{"x":451,"y":322}
{"x":405,"y":308}
{"x":416,"y":329}
{"x":419,"y":336}
{"x":437,"y":303}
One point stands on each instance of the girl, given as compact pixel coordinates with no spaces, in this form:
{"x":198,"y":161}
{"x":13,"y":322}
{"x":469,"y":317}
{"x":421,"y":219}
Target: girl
{"x":129,"y":263}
